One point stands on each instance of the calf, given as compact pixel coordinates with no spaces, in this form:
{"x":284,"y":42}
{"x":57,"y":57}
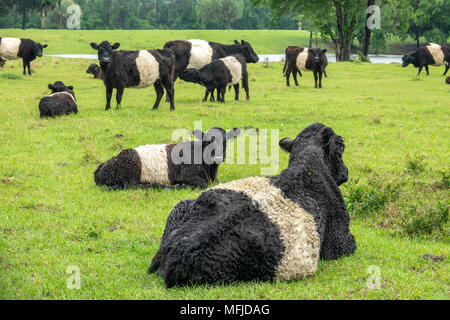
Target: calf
{"x":136,"y":69}
{"x":263,"y":228}
{"x":2,"y":63}
{"x":429,"y":55}
{"x":195,"y":54}
{"x":96,"y":71}
{"x":61,"y":101}
{"x":219,"y":74}
{"x":14,"y":48}
{"x":305,"y":59}
{"x":183,"y":164}
{"x":447,"y":80}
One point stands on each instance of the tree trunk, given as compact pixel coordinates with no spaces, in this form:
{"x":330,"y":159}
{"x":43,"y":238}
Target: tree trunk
{"x":345,"y":31}
{"x":368,"y":31}
{"x":42,"y":17}
{"x":418,"y":41}
{"x":310,"y":38}
{"x":317,"y":41}
{"x":24,"y":19}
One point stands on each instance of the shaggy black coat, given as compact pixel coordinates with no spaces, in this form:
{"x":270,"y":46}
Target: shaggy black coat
{"x":223,"y":237}
{"x":29,"y":51}
{"x":96,"y":71}
{"x":124,"y":170}
{"x":120,"y":71}
{"x":216,"y":75}
{"x":62,"y":101}
{"x":317,"y":62}
{"x":422,"y":57}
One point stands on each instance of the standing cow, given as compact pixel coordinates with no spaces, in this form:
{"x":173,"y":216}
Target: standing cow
{"x":15,"y":48}
{"x":136,"y":69}
{"x":196,"y":54}
{"x":429,"y":55}
{"x":305,"y":59}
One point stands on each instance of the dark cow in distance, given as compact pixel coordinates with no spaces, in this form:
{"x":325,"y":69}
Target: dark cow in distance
{"x":195,"y":54}
{"x":447,"y":80}
{"x":2,"y":63}
{"x":429,"y":55}
{"x":62,"y":101}
{"x":219,"y":74}
{"x":15,"y":48}
{"x":136,"y":69}
{"x":263,"y":228}
{"x":305,"y":59}
{"x":95,"y":71}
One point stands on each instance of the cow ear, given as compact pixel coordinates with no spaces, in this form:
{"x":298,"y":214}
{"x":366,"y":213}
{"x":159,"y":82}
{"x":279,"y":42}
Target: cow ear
{"x":324,"y":50}
{"x":116,"y":46}
{"x":94,"y":46}
{"x":325,"y":135}
{"x":45,"y":46}
{"x":243,"y":42}
{"x":50,"y":86}
{"x":286,"y":144}
{"x":198,"y":134}
{"x":236,"y":42}
{"x":233,"y":134}
{"x":70,"y":87}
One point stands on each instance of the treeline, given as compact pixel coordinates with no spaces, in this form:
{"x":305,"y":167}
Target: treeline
{"x":143,"y":14}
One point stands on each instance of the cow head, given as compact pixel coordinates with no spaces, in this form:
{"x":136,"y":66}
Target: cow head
{"x":406,"y":60}
{"x":318,"y":54}
{"x":248,"y":52}
{"x":59,"y":86}
{"x":323,"y":137}
{"x":192,"y":75}
{"x":215,"y":141}
{"x":92,"y":68}
{"x":105,"y":51}
{"x":39,"y":49}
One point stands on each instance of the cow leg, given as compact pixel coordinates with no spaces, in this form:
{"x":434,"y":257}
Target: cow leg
{"x":236,"y":92}
{"x":170,"y":91}
{"x":109,"y":92}
{"x":325,"y":73}
{"x":119,"y":95}
{"x":315,"y":78}
{"x":173,"y":83}
{"x":288,"y":74}
{"x":223,"y":90}
{"x":320,"y":79}
{"x":428,"y":71}
{"x":213,"y":97}
{"x":29,"y":67}
{"x":245,"y":85}
{"x":24,"y":67}
{"x":294,"y":73}
{"x":420,"y":70}
{"x":159,"y":89}
{"x":206,"y":95}
{"x":446,"y":69}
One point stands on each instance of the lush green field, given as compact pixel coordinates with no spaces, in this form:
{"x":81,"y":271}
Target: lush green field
{"x":396,"y":128}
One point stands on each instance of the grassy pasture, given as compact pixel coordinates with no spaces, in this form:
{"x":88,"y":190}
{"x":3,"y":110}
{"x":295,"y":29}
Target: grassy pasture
{"x":52,"y":216}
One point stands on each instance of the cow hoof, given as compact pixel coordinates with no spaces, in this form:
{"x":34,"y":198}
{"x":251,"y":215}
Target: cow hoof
{"x":172,"y":109}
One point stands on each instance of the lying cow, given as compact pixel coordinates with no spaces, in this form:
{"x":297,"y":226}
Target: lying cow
{"x":219,"y":74}
{"x":168,"y":165}
{"x":14,"y":48}
{"x":305,"y":59}
{"x":429,"y":55}
{"x":2,"y":63}
{"x":263,"y":228}
{"x":136,"y":69}
{"x":61,"y":101}
{"x":195,"y":54}
{"x":96,"y":71}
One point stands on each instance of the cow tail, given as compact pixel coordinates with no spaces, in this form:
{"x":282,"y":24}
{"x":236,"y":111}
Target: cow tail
{"x":284,"y":68}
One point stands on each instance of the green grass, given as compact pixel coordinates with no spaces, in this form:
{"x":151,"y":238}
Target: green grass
{"x":54,"y":216}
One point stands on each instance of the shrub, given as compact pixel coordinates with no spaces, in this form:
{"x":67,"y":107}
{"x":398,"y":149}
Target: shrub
{"x":415,"y":165}
{"x":429,"y":222}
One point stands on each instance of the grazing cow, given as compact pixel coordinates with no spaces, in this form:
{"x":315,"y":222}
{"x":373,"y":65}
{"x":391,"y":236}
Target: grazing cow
{"x":429,"y":55}
{"x":61,"y":101}
{"x":195,"y":54}
{"x":2,"y":63}
{"x":136,"y":69}
{"x":14,"y":48}
{"x":263,"y":228}
{"x":219,"y":74}
{"x":166,"y":165}
{"x":305,"y":59}
{"x":96,"y":71}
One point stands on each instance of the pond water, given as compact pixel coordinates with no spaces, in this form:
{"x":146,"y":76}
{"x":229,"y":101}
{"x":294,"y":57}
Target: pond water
{"x":384,"y":59}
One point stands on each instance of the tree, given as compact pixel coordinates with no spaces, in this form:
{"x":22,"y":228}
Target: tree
{"x":44,"y":5}
{"x":225,"y":12}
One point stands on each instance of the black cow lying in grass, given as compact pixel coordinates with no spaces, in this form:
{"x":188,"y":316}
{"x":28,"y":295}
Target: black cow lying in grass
{"x":15,"y":48}
{"x":429,"y":55}
{"x":2,"y":63}
{"x":300,"y":59}
{"x":61,"y":101}
{"x":96,"y":71}
{"x":219,"y":74}
{"x":263,"y":228}
{"x":136,"y":69}
{"x":191,"y":164}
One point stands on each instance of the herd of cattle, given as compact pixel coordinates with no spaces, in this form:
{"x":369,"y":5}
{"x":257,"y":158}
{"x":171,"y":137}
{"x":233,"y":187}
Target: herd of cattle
{"x":256,"y":228}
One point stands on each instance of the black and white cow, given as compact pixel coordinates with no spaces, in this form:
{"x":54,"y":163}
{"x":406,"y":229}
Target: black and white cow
{"x":186,"y":164}
{"x":61,"y":101}
{"x":136,"y":69}
{"x":95,"y":71}
{"x":15,"y":48}
{"x":263,"y":228}
{"x":195,"y":54}
{"x":219,"y":74}
{"x":300,"y":59}
{"x":429,"y":55}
